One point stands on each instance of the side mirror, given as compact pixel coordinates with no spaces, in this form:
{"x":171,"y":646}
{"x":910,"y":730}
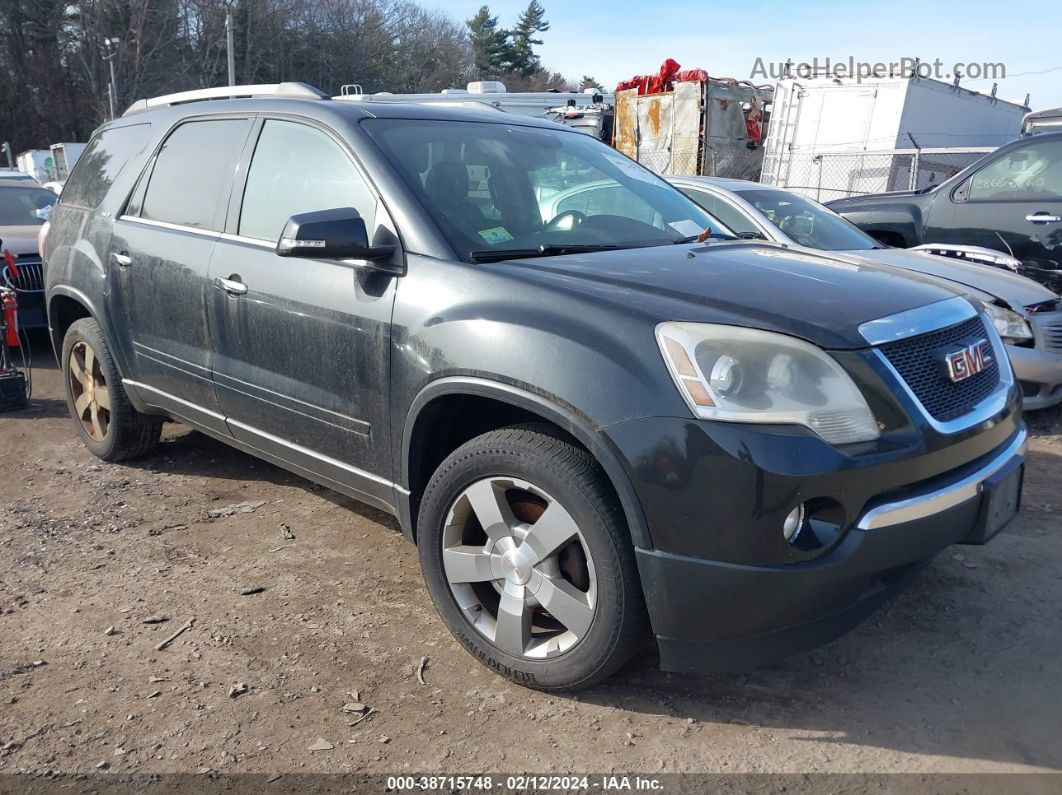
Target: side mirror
{"x":329,"y":234}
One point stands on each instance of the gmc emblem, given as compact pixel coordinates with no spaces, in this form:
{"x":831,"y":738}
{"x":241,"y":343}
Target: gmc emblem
{"x":968,"y":361}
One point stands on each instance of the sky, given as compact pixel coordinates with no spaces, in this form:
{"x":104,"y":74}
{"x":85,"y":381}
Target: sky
{"x":615,"y":40}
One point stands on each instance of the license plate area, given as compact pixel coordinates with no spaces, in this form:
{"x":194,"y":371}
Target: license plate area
{"x":1000,"y":502}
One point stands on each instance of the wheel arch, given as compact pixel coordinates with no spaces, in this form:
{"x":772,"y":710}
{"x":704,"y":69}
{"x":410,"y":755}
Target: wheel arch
{"x":65,"y":306}
{"x":524,"y":403}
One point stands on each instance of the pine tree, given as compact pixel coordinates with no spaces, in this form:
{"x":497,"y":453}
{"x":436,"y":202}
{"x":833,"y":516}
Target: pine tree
{"x":588,"y":82}
{"x":521,"y":56}
{"x":490,"y":44}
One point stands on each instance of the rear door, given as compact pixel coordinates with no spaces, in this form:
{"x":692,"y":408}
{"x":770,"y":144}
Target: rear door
{"x":159,"y":260}
{"x":1013,"y":203}
{"x":302,"y":345}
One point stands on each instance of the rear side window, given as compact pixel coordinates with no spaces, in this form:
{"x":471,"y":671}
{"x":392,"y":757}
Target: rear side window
{"x":101,"y":163}
{"x":298,"y":169}
{"x":192,"y":171}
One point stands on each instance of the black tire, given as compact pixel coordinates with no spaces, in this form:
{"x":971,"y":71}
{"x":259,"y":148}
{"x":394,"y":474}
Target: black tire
{"x":127,"y":433}
{"x":539,"y":455}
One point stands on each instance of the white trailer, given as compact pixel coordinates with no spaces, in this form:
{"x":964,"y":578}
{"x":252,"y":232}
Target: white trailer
{"x":491,"y":93}
{"x":822,"y":118}
{"x":37,"y":163}
{"x":64,"y":156}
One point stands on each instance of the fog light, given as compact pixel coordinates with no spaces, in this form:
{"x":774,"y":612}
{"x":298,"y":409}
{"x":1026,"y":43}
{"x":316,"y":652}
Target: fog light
{"x":793,"y":523}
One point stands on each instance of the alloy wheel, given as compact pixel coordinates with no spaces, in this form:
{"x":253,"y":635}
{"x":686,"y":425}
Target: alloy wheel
{"x":519,"y":568}
{"x":88,"y":390}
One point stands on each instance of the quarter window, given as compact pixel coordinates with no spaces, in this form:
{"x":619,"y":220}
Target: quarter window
{"x":193,"y":169}
{"x":298,"y":169}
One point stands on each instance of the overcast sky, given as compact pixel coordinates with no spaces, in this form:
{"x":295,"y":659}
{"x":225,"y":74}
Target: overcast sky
{"x":616,"y":39}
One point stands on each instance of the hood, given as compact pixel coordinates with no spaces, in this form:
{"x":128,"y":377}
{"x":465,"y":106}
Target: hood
{"x":758,"y":285}
{"x":871,"y":198}
{"x":982,"y":281}
{"x":19,"y":240}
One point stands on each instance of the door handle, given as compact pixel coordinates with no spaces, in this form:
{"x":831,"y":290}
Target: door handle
{"x":121,"y":259}
{"x":232,"y":286}
{"x":1043,"y":218}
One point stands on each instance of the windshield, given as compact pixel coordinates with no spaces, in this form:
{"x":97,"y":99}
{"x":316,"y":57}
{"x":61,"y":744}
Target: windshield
{"x":808,"y":223}
{"x":25,"y":206}
{"x":497,"y":188}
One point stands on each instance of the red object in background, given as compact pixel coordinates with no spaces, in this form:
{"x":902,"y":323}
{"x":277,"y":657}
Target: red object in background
{"x":663,"y":80}
{"x":9,"y":307}
{"x":11,"y":263}
{"x":754,"y":121}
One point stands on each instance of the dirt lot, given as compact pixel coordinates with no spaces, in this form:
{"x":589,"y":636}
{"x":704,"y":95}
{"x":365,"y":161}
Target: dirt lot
{"x":959,"y":673}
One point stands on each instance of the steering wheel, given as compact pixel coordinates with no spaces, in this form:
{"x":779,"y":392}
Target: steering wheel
{"x":576,"y":215}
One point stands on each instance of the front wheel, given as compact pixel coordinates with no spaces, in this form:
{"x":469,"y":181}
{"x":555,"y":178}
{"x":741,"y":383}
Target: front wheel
{"x":529,"y":561}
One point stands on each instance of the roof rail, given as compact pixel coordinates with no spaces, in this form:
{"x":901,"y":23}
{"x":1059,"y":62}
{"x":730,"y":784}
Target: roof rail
{"x":290,"y":90}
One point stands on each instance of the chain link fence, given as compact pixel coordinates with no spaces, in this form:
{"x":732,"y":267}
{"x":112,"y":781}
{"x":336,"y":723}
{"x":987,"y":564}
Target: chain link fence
{"x":825,"y":176}
{"x":735,"y":162}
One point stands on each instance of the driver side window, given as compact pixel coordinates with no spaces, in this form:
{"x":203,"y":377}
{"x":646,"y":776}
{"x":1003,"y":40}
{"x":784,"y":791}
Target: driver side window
{"x":1029,"y":172}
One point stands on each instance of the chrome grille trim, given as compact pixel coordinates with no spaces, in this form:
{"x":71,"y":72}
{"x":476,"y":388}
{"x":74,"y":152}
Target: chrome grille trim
{"x":915,"y":322}
{"x":30,"y":276}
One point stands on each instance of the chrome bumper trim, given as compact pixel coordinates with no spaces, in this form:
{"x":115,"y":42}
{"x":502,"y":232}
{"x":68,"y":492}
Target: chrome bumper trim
{"x":934,"y":502}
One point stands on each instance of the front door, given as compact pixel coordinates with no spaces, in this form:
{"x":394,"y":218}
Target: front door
{"x":1011,"y":204}
{"x":159,"y":260}
{"x":301,"y":346}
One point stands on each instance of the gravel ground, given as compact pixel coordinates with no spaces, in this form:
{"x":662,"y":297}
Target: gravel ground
{"x":309,"y":624}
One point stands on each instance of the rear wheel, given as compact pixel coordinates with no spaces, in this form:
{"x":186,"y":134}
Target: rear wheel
{"x":108,"y":424}
{"x":529,"y":560}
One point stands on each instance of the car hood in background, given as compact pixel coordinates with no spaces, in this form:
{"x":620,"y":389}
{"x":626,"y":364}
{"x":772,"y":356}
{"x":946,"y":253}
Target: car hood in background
{"x":820,"y":298}
{"x":19,"y":240}
{"x":1017,"y":291}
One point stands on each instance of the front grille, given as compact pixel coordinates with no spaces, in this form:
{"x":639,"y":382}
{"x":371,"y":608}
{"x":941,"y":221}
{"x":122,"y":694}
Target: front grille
{"x":918,"y":360}
{"x":1052,"y":333}
{"x":30,"y":275}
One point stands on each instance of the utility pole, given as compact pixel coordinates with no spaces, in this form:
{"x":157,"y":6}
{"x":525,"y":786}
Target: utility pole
{"x":110,"y":50}
{"x":231,"y":49}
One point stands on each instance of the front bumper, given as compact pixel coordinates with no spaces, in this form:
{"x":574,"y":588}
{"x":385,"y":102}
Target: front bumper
{"x":1039,"y":371}
{"x":715,"y":614}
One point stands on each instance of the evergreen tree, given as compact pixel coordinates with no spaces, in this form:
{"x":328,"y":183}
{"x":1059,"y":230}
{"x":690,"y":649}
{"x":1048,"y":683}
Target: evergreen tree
{"x":588,"y":82}
{"x":490,"y":44}
{"x":521,"y":57}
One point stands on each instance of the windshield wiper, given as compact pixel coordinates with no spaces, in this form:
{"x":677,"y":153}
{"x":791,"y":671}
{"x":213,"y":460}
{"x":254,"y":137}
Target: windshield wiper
{"x":497,"y":255}
{"x":702,"y":237}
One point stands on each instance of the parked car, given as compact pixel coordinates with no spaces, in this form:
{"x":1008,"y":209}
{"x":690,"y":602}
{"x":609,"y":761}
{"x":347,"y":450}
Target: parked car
{"x":24,"y":207}
{"x":1009,"y":200}
{"x":584,"y":424}
{"x":1027,"y":315}
{"x":14,"y":175}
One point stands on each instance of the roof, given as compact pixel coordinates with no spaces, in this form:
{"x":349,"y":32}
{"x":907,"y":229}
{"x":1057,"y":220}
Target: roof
{"x":721,"y":182}
{"x":308,"y":101}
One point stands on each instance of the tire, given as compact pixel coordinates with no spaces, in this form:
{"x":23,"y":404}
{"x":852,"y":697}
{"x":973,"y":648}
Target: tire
{"x":517,"y":607}
{"x":108,"y":424}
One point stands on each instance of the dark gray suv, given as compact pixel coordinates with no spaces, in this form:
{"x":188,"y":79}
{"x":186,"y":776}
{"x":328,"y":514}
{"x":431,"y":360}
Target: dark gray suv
{"x":592,"y":416}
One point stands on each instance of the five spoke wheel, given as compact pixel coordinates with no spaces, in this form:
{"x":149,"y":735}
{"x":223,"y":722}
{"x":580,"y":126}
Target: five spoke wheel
{"x":519,"y":568}
{"x":88,"y":387}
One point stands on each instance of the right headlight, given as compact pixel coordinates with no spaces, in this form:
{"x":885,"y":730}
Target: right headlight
{"x":746,"y":375}
{"x":1010,"y":325}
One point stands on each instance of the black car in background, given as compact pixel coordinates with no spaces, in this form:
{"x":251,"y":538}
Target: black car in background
{"x":1010,"y":200}
{"x":587,"y":421}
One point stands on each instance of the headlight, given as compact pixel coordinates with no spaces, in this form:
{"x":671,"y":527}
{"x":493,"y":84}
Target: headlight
{"x":745,"y":375}
{"x":1009,"y":324}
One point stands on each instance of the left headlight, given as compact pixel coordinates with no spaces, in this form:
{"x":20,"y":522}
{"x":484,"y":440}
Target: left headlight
{"x":1009,"y":324}
{"x":747,"y":375}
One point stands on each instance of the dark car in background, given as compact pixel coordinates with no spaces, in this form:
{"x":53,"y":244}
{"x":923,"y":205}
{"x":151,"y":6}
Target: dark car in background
{"x":24,"y":208}
{"x":588,"y":422}
{"x":1010,"y":200}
